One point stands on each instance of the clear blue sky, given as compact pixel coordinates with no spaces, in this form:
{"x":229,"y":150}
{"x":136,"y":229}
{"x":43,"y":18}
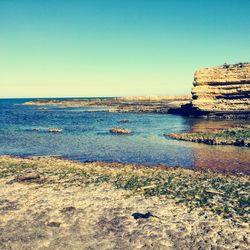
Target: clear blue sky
{"x":52,"y":48}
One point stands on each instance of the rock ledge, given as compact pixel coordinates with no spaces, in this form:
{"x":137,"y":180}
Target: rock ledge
{"x":222,"y":91}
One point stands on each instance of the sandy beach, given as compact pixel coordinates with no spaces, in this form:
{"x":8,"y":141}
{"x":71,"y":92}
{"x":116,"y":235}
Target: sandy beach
{"x":124,"y":125}
{"x":50,"y":203}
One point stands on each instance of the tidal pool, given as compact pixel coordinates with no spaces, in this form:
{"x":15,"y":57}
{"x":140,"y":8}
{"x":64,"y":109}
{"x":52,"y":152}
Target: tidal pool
{"x":86,"y":137}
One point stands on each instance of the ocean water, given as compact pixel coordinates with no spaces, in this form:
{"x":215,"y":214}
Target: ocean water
{"x":86,"y":137}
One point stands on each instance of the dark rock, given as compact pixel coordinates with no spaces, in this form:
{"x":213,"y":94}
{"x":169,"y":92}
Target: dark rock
{"x":124,"y":121}
{"x":68,"y":210}
{"x":53,"y":224}
{"x":143,"y":216}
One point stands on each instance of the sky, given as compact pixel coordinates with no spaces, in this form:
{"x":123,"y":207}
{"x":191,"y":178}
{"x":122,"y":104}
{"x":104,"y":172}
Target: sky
{"x":80,"y":48}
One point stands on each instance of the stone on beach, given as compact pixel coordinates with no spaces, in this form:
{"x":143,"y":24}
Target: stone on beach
{"x":53,"y":224}
{"x":28,"y":176}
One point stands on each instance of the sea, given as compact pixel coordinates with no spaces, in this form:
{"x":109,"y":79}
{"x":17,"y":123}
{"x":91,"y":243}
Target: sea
{"x":85,"y":137}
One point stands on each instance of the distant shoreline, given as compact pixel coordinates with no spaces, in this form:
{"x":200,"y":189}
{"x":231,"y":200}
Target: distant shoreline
{"x":145,"y":104}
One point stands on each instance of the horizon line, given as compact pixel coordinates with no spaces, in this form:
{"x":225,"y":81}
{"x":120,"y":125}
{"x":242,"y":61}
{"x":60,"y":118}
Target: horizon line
{"x":50,"y":97}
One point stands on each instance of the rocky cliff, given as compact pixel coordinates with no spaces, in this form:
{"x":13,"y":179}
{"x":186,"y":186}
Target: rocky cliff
{"x":221,"y":91}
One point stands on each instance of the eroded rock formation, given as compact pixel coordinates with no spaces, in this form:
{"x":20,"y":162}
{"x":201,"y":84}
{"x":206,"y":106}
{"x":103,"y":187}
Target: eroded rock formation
{"x":222,"y":89}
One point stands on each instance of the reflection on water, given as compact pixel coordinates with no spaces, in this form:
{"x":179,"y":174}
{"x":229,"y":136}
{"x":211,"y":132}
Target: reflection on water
{"x":222,"y":158}
{"x":86,"y":137}
{"x":205,"y":125}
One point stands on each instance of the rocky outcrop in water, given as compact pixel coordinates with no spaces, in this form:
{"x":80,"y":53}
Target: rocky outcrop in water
{"x":51,"y":130}
{"x":235,"y":136}
{"x":119,"y":131}
{"x":137,"y":104}
{"x":55,"y":130}
{"x":221,"y":91}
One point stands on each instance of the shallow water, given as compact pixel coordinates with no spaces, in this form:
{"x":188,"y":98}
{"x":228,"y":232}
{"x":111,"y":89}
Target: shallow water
{"x":86,"y":137}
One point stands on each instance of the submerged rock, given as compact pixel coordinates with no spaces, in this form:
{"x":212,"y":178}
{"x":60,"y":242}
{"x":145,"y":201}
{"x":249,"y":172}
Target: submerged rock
{"x":124,"y":121}
{"x":119,"y":131}
{"x":35,"y":129}
{"x":51,"y":130}
{"x":55,"y":130}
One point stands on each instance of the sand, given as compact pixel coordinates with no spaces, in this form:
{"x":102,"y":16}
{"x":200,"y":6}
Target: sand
{"x":55,"y":212}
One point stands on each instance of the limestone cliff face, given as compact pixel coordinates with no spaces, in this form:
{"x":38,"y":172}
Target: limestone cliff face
{"x":223,"y":89}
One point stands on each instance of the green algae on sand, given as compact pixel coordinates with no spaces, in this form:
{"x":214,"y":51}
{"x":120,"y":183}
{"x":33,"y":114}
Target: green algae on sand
{"x":224,"y":195}
{"x":233,"y":136}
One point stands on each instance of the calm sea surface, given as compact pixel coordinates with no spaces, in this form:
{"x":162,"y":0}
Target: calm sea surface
{"x":86,"y":137}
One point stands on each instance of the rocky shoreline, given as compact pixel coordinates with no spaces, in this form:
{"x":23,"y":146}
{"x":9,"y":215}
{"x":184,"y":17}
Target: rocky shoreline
{"x":127,"y":104}
{"x":234,"y":136}
{"x":220,"y":92}
{"x":49,"y":203}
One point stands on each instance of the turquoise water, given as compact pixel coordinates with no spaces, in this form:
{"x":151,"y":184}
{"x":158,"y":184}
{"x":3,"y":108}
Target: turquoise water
{"x":86,"y":137}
